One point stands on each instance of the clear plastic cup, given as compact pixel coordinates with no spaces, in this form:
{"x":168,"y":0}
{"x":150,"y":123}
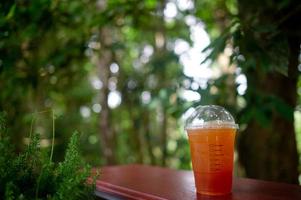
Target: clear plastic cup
{"x":211,"y":132}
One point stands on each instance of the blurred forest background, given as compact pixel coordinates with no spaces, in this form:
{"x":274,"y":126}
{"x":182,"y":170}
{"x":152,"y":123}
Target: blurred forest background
{"x":126,"y":74}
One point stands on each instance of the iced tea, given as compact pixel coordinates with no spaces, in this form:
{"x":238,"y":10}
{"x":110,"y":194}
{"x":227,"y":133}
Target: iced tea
{"x":212,"y":158}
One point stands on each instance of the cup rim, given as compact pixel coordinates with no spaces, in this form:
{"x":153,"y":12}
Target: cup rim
{"x":213,"y":125}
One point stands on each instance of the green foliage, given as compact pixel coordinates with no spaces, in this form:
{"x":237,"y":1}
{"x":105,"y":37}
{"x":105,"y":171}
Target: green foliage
{"x":51,"y":52}
{"x":69,"y":179}
{"x":31,"y":175}
{"x":260,"y":48}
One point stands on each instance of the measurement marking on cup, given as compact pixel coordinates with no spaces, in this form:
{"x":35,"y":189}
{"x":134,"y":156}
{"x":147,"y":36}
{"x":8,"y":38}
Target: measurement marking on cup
{"x":215,"y":150}
{"x":215,"y":157}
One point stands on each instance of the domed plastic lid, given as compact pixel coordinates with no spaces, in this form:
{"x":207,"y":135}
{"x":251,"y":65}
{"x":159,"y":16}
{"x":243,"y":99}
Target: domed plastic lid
{"x":210,"y":116}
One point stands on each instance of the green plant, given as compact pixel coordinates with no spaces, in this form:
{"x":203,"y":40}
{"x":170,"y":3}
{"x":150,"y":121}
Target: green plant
{"x":33,"y":175}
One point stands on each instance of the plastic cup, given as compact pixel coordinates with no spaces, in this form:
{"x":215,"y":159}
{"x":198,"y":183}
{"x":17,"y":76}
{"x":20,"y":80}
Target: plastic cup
{"x":211,"y":132}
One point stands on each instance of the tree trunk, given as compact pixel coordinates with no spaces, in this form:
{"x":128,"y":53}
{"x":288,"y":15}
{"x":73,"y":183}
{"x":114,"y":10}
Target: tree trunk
{"x":103,"y":62}
{"x":134,"y":140}
{"x":269,"y":152}
{"x":267,"y":149}
{"x":164,"y":136}
{"x":148,"y":139}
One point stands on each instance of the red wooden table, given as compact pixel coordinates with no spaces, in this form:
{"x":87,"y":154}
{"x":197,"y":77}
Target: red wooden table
{"x":156,"y":183}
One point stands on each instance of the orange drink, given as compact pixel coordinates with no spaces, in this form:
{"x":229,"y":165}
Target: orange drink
{"x":212,"y":159}
{"x":211,"y":133}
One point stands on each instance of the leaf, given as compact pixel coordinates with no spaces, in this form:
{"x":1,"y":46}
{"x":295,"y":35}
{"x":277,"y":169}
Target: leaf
{"x":216,"y":47}
{"x":11,"y":12}
{"x":279,"y":55}
{"x":9,"y":191}
{"x":262,"y":118}
{"x":284,"y":109}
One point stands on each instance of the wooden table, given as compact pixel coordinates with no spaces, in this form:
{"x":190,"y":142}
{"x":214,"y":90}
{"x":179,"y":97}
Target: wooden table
{"x":156,"y":183}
